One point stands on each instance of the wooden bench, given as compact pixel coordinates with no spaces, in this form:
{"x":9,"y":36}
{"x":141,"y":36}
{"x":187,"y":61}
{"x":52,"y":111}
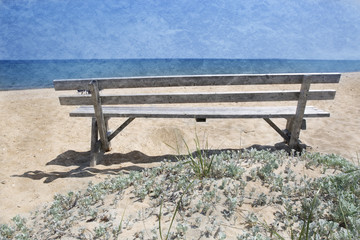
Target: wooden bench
{"x":145,"y":105}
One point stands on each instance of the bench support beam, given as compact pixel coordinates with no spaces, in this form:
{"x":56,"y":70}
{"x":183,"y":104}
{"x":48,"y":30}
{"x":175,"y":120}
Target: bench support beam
{"x":119,"y":129}
{"x":277,"y":129}
{"x":96,"y":150}
{"x":299,"y":115}
{"x":101,"y":123}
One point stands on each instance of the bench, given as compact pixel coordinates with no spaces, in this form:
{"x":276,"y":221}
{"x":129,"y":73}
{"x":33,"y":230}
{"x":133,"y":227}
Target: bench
{"x":101,"y":106}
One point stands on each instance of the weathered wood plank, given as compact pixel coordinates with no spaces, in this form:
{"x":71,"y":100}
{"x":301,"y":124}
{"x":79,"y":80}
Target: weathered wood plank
{"x":96,"y":154}
{"x":119,"y":129}
{"x":94,"y":143}
{"x":94,"y":132}
{"x":200,"y":112}
{"x":195,"y":80}
{"x":289,"y":123}
{"x":96,"y":101}
{"x":206,"y":97}
{"x":277,"y":129}
{"x":106,"y":119}
{"x":300,"y":110}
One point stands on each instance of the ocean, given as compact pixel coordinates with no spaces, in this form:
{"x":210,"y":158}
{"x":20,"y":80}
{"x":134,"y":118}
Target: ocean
{"x":30,"y":74}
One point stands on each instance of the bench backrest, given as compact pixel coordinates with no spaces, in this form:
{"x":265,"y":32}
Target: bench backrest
{"x":94,"y":85}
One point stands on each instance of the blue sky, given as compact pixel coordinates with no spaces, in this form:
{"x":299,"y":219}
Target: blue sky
{"x":103,"y":29}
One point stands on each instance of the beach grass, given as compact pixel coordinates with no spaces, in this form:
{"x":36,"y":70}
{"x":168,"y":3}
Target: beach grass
{"x":248,"y":194}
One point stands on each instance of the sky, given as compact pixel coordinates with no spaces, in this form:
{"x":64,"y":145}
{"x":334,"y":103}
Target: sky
{"x":117,"y":29}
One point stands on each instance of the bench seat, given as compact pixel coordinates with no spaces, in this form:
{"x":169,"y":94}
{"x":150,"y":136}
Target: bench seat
{"x":199,"y":112}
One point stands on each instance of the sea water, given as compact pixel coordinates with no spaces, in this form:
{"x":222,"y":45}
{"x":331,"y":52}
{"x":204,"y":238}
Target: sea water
{"x":28,"y":74}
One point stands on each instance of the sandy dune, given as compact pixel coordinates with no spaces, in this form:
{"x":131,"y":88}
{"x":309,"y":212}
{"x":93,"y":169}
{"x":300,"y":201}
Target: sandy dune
{"x":43,"y":151}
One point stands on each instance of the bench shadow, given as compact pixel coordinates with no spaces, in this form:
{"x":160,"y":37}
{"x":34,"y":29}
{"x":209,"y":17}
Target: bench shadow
{"x":81,"y":161}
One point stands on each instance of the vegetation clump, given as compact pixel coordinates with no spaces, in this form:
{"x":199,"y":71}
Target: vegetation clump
{"x":249,"y":194}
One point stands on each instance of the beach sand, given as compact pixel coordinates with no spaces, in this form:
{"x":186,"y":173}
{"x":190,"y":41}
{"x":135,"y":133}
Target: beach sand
{"x":43,"y":151}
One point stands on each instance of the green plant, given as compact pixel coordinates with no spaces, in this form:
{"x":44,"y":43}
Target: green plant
{"x":19,"y":231}
{"x":118,"y":229}
{"x":310,"y":212}
{"x":199,"y":161}
{"x":305,"y":229}
{"x":6,"y":232}
{"x":100,"y":231}
{"x":181,"y":229}
{"x":174,"y":214}
{"x":251,"y":219}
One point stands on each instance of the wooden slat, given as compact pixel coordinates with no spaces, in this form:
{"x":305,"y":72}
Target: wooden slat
{"x":207,"y":97}
{"x":199,"y":112}
{"x":195,"y":80}
{"x":96,"y":101}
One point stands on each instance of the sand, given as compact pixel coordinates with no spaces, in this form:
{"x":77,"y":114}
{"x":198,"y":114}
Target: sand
{"x":43,"y":151}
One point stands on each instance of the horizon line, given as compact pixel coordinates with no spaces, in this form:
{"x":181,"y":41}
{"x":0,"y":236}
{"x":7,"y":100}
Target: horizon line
{"x":101,"y":59}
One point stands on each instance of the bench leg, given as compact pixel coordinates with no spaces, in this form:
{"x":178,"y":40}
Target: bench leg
{"x":289,"y":123}
{"x":96,"y":154}
{"x":96,"y":150}
{"x":288,"y":128}
{"x":297,"y":120}
{"x":101,"y":123}
{"x":294,"y":132}
{"x":107,"y":131}
{"x":294,"y":140}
